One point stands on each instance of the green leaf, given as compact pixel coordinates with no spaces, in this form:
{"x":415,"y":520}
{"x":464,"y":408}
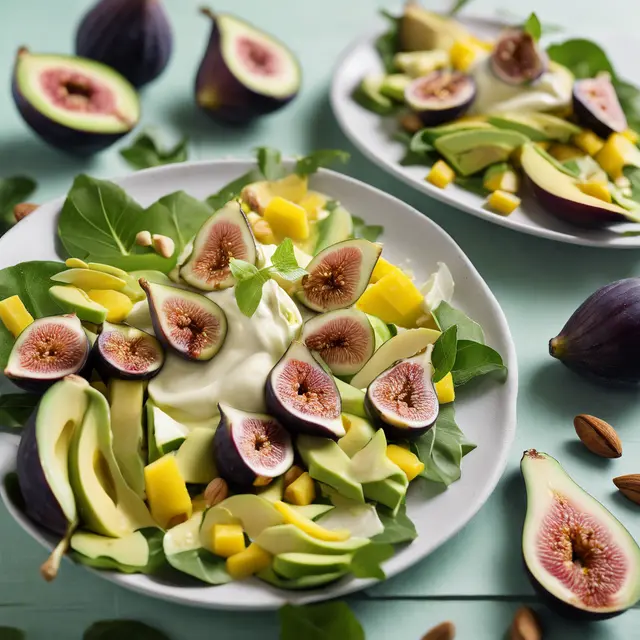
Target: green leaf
{"x":474,"y":359}
{"x":585,"y":59}
{"x":444,"y":353}
{"x":11,"y":633}
{"x":458,"y":6}
{"x":15,"y":409}
{"x":633,"y":175}
{"x":629,"y":97}
{"x":326,"y":621}
{"x":249,"y":293}
{"x":320,"y":158}
{"x":474,"y":184}
{"x":146,"y":151}
{"x":242,"y":270}
{"x":120,"y":629}
{"x":468,"y":329}
{"x":388,"y":43}
{"x":30,"y":281}
{"x":367,"y":560}
{"x":270,"y":163}
{"x":233,"y":189}
{"x":285,"y":263}
{"x":397,"y":529}
{"x":201,"y":564}
{"x":361,"y":229}
{"x":13,"y":191}
{"x":331,"y":205}
{"x":533,"y":27}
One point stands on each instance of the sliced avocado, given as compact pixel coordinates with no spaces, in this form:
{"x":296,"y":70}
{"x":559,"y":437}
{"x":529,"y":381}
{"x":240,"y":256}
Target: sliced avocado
{"x":89,"y":279}
{"x":555,"y":128}
{"x":213,"y":516}
{"x":537,"y":127}
{"x":306,"y":582}
{"x":369,"y":96}
{"x":471,"y":151}
{"x":132,"y":289}
{"x":422,"y":30}
{"x":336,"y":227}
{"x":352,"y":398}
{"x":287,"y":538}
{"x":106,"y":503}
{"x":155,"y":277}
{"x":164,"y":434}
{"x":74,"y":300}
{"x":420,"y":63}
{"x":126,"y":399}
{"x":296,"y":565}
{"x":380,"y":329}
{"x":388,"y":492}
{"x":312,"y":511}
{"x":358,"y":435}
{"x":273,"y":491}
{"x":254,"y":512}
{"x":393,"y":86}
{"x":195,"y":456}
{"x":430,"y":134}
{"x":328,"y":463}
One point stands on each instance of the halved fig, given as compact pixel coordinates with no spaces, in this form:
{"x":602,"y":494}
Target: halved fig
{"x":226,"y":234}
{"x":303,"y":396}
{"x":250,"y":445}
{"x":128,"y":353}
{"x":338,"y":275}
{"x":596,"y":106}
{"x":402,"y":400}
{"x":517,"y":58}
{"x":188,"y":323}
{"x":46,"y":351}
{"x":441,"y":96}
{"x":344,"y":339}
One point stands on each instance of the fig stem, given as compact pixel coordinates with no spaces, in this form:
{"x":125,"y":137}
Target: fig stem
{"x":205,"y":11}
{"x":556,"y":347}
{"x":51,"y":566}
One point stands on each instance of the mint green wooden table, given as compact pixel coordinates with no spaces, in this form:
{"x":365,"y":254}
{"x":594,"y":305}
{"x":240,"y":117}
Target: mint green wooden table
{"x":476,"y":579}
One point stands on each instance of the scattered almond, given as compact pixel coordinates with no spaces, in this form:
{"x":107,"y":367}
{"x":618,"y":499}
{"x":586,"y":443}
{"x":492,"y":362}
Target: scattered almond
{"x":629,"y":486}
{"x":598,"y":436}
{"x":163,"y":245}
{"x":216,"y":491}
{"x":525,"y":625}
{"x":23,"y":209}
{"x":143,"y":238}
{"x":411,"y":123}
{"x":443,"y":631}
{"x":292,"y":475}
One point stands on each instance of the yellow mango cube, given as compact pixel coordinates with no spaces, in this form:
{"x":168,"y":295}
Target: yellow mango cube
{"x":631,"y":135}
{"x":372,"y":303}
{"x":287,"y":219}
{"x":503,"y":202}
{"x":227,"y":539}
{"x":302,"y":491}
{"x":563,"y":152}
{"x":167,"y":493}
{"x":398,"y":290}
{"x":503,"y":180}
{"x":382,"y":268}
{"x":445,"y":390}
{"x":118,"y":305}
{"x":291,"y":516}
{"x":441,"y":174}
{"x":248,"y":562}
{"x":406,"y":460}
{"x":312,"y":203}
{"x":14,"y":315}
{"x":596,"y":189}
{"x":616,"y":153}
{"x":464,"y":53}
{"x":292,"y":187}
{"x":588,"y":141}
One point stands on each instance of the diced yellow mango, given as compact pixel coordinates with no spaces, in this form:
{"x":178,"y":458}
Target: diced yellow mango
{"x":464,"y":53}
{"x":370,"y":302}
{"x":563,"y":152}
{"x":167,"y":493}
{"x":312,"y":203}
{"x":262,"y":481}
{"x":406,"y":460}
{"x":617,"y":152}
{"x":287,"y":220}
{"x":441,"y":174}
{"x":76,"y":263}
{"x":382,"y":268}
{"x":302,"y":491}
{"x":503,"y":202}
{"x":506,"y":181}
{"x":631,"y":135}
{"x":248,"y":562}
{"x":291,"y":516}
{"x":588,"y":141}
{"x":227,"y":539}
{"x":596,"y":189}
{"x":118,"y":305}
{"x":14,"y":315}
{"x":292,"y":187}
{"x":445,"y":390}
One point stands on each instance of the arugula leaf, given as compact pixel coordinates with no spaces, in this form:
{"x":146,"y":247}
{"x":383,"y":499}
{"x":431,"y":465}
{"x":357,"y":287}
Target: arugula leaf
{"x":30,"y":281}
{"x":388,"y":43}
{"x":15,"y":409}
{"x":533,"y":27}
{"x":361,"y":229}
{"x":367,"y":560}
{"x":444,"y":353}
{"x":285,"y":263}
{"x":458,"y":6}
{"x":270,"y":163}
{"x":474,"y":359}
{"x":118,"y":629}
{"x":325,"y":621}
{"x":11,"y":633}
{"x":447,"y":316}
{"x":396,"y":530}
{"x":13,"y":191}
{"x":233,"y":189}
{"x":320,"y":158}
{"x":146,"y":151}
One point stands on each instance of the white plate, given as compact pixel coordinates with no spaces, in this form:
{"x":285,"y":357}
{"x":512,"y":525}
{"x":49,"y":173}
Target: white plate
{"x":372,"y":134}
{"x":486,"y":411}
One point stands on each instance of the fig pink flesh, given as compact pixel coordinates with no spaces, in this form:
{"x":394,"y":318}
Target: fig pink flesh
{"x":576,"y":549}
{"x":308,"y":390}
{"x":76,"y":91}
{"x":257,"y":58}
{"x":135,"y":355}
{"x":341,"y":341}
{"x":51,"y":348}
{"x":191,"y":328}
{"x":440,"y":85}
{"x":263,"y":443}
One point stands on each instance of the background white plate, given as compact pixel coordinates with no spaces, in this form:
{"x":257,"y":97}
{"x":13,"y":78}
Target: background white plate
{"x":372,"y":134}
{"x":486,"y":411}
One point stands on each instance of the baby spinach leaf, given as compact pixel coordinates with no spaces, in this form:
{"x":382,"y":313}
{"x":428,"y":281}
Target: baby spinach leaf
{"x":367,"y":560}
{"x":11,"y":633}
{"x":119,"y":629}
{"x":146,"y":151}
{"x":13,"y":191}
{"x":388,"y":43}
{"x":361,"y":229}
{"x":285,"y":263}
{"x":15,"y":409}
{"x":396,"y":530}
{"x":533,"y":27}
{"x":468,"y":329}
{"x":474,"y":359}
{"x":325,"y":621}
{"x":320,"y":158}
{"x":201,"y":564}
{"x":444,"y":353}
{"x":270,"y":163}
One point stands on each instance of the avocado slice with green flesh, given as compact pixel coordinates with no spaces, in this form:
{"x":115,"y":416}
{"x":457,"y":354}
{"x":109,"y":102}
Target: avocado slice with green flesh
{"x":381,"y":331}
{"x":328,"y":463}
{"x":74,"y":300}
{"x":336,"y":227}
{"x":164,"y":434}
{"x":287,"y":538}
{"x":106,"y":503}
{"x":358,"y":435}
{"x":369,"y":96}
{"x":298,"y":565}
{"x":430,"y":134}
{"x":299,"y":584}
{"x":536,"y":126}
{"x":274,"y":491}
{"x":132,"y":288}
{"x":352,"y":398}
{"x":126,"y":400}
{"x":195,"y":456}
{"x":312,"y":511}
{"x":393,"y":86}
{"x":254,"y":512}
{"x":471,"y":151}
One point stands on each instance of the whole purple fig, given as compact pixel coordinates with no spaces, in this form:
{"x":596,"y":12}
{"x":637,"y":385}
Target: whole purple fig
{"x":132,"y":36}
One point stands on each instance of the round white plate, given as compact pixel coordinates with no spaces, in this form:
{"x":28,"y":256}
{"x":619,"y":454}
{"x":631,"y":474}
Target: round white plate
{"x":485,"y":411}
{"x":373,"y":136}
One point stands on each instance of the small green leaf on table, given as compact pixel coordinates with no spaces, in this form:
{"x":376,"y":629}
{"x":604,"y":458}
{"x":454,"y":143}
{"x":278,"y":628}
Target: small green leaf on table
{"x":326,"y":621}
{"x":367,"y":560}
{"x":13,"y":191}
{"x":397,"y":529}
{"x":468,"y":329}
{"x":11,"y":633}
{"x":444,"y":353}
{"x":270,"y":163}
{"x":146,"y":151}
{"x":474,"y":359}
{"x":361,"y":229}
{"x":387,"y":44}
{"x":321,"y":158}
{"x":121,"y":629}
{"x":15,"y":409}
{"x":533,"y":27}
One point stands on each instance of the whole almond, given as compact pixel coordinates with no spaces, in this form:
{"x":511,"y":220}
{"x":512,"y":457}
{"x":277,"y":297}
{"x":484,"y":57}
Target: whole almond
{"x":598,"y":436}
{"x":525,"y":625}
{"x":629,"y":486}
{"x":23,"y":209}
{"x":444,"y":631}
{"x":411,"y":123}
{"x":216,"y":491}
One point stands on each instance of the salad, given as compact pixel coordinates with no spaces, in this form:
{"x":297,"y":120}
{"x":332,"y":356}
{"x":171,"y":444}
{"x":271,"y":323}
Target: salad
{"x":236,"y":387}
{"x":485,"y":115}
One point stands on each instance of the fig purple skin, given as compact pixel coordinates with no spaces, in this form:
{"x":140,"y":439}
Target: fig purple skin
{"x":601,"y":340}
{"x":596,"y":106}
{"x":517,"y":58}
{"x":132,"y":36}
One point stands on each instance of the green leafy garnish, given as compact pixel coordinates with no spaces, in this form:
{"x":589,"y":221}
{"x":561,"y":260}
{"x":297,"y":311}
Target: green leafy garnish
{"x":387,"y":44}
{"x":474,"y":359}
{"x":468,"y":329}
{"x":270,"y":163}
{"x":397,"y":529}
{"x":443,"y":356}
{"x":201,"y":564}
{"x":633,"y":175}
{"x":15,"y":409}
{"x":458,"y":6}
{"x":11,"y":633}
{"x":533,"y":27}
{"x":361,"y":229}
{"x":320,"y":158}
{"x":119,"y":629}
{"x":325,"y":621}
{"x":146,"y":151}
{"x":367,"y":560}
{"x":13,"y":191}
